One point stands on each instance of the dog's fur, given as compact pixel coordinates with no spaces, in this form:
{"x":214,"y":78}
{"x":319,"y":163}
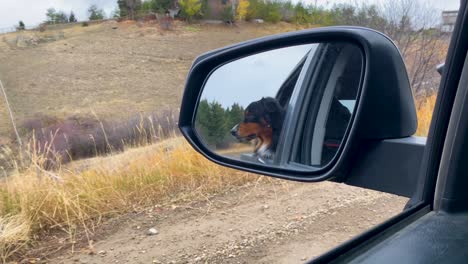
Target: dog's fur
{"x":263,"y":121}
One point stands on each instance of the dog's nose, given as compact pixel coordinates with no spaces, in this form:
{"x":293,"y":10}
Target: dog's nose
{"x":234,"y":130}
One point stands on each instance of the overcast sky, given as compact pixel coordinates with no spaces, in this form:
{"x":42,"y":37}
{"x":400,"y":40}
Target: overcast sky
{"x":262,"y":76}
{"x":32,"y":12}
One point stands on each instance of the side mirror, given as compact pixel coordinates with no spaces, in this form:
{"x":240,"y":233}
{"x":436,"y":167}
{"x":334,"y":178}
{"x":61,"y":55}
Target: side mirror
{"x":297,"y":105}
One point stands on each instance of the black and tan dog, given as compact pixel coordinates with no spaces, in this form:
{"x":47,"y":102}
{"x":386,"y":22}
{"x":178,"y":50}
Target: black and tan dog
{"x":263,"y":121}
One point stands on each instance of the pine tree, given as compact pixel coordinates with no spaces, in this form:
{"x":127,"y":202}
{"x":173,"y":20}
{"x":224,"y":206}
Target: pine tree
{"x":234,"y":115}
{"x":72,"y":18}
{"x":211,"y":123}
{"x":95,"y":13}
{"x":123,"y":9}
{"x":21,"y":25}
{"x":51,"y":16}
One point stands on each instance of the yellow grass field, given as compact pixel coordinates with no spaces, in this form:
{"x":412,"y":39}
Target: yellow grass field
{"x":76,"y":198}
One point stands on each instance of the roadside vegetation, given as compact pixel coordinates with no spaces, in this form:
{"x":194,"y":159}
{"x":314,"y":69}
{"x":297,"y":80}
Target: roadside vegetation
{"x":74,"y":171}
{"x":74,"y":200}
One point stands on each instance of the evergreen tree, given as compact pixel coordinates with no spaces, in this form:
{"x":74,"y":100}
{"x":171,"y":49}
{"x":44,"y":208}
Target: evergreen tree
{"x":161,"y":5}
{"x":218,"y":129}
{"x":95,"y":13}
{"x":61,"y":17}
{"x":56,"y":17}
{"x":234,"y":115}
{"x":21,"y":25}
{"x":72,"y":18}
{"x":129,"y":8}
{"x":123,"y":9}
{"x":212,"y":123}
{"x":51,"y":15}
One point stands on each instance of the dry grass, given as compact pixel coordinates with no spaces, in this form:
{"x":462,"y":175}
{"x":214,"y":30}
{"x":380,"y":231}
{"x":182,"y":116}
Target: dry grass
{"x":14,"y":235}
{"x":425,"y":107}
{"x":80,"y":195}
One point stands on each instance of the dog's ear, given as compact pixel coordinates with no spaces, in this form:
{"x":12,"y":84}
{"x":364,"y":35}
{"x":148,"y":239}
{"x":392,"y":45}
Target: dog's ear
{"x":273,"y":112}
{"x":271,"y":105}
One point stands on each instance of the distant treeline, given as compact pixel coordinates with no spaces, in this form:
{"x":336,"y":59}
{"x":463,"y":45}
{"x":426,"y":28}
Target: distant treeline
{"x":267,"y":10}
{"x":214,"y":122}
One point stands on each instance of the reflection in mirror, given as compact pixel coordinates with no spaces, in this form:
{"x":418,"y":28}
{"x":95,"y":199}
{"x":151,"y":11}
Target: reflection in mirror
{"x":249,"y":106}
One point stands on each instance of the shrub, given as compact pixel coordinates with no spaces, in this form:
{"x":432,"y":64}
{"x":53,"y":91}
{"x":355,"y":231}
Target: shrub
{"x":273,"y":12}
{"x":257,"y":9}
{"x":268,"y":11}
{"x":190,"y":8}
{"x":287,"y":11}
{"x":62,"y":140}
{"x":42,"y":27}
{"x":301,"y":14}
{"x":166,"y":22}
{"x":242,"y":9}
{"x":227,"y":15}
{"x":21,"y":26}
{"x":160,"y":6}
{"x":35,"y":206}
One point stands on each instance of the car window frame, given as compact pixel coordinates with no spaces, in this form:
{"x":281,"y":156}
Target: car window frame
{"x":422,"y":202}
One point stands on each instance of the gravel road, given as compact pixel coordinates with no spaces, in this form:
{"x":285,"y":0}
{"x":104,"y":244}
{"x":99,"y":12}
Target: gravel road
{"x":262,"y":222}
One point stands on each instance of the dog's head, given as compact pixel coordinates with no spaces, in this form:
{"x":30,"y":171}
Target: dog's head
{"x":263,"y":119}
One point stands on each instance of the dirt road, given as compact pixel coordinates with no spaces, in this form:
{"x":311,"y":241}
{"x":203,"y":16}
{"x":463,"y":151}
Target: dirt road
{"x":262,"y":222}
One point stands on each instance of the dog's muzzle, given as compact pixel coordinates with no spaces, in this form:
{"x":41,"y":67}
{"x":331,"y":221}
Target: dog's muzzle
{"x":234,"y":130}
{"x":235,"y":133}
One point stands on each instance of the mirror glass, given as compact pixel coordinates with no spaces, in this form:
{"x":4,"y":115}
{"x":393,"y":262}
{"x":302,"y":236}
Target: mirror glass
{"x":284,"y":107}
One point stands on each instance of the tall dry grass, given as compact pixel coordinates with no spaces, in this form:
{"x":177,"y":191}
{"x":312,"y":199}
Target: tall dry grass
{"x":82,"y":193}
{"x":424,"y":107}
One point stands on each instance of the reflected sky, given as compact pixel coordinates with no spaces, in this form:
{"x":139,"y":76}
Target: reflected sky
{"x":251,"y":78}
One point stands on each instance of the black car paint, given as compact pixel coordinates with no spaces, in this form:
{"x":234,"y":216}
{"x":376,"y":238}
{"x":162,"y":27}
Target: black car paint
{"x":384,"y":85}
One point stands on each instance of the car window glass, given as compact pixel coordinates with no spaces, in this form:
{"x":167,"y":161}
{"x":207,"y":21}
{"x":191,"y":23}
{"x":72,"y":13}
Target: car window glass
{"x":330,"y":106}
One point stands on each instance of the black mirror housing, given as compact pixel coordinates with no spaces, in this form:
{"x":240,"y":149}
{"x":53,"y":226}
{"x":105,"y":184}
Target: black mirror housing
{"x":384,"y":108}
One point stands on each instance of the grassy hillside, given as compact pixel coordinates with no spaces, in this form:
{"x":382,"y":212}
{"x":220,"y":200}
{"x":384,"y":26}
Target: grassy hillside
{"x":114,"y":69}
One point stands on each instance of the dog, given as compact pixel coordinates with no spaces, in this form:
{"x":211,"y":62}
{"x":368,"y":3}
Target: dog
{"x":263,"y":121}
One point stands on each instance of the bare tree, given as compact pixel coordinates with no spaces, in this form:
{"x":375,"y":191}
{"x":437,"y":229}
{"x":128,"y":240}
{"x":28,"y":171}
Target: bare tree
{"x":413,"y":26}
